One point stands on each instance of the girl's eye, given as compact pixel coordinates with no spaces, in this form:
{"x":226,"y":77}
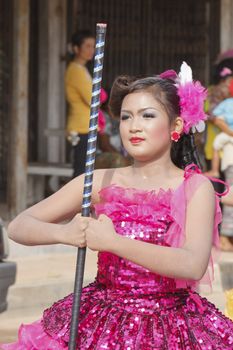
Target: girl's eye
{"x":124,"y":117}
{"x":148,"y":115}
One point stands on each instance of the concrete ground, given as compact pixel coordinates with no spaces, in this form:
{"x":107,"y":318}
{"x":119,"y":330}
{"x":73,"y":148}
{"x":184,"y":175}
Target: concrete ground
{"x":40,"y":281}
{"x":43,"y":279}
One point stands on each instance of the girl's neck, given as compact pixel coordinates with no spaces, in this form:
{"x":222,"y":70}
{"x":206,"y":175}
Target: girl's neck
{"x":147,"y":170}
{"x":80,"y":61}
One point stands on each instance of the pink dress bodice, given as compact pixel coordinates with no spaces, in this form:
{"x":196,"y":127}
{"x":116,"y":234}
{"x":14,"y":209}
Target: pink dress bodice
{"x":140,"y":215}
{"x":156,"y":217}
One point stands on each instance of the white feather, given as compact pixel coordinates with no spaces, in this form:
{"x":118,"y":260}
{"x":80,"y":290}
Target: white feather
{"x":200,"y":126}
{"x":185,"y":74}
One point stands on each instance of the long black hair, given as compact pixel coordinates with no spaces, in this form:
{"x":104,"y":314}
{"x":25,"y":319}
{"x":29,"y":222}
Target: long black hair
{"x":184,"y":151}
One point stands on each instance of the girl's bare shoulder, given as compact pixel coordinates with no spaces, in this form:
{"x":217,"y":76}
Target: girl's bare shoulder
{"x":105,"y":177}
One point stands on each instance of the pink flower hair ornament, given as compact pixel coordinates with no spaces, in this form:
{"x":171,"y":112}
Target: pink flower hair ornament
{"x":225,"y":72}
{"x":192,"y":96}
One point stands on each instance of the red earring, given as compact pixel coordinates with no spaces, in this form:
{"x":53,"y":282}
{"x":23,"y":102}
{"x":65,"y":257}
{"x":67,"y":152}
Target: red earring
{"x":175,"y":136}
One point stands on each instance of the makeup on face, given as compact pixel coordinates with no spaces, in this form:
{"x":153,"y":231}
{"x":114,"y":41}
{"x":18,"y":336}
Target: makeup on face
{"x":144,"y":125}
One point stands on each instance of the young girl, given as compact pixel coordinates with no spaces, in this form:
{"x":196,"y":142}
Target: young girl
{"x":155,"y":228}
{"x":221,"y":114}
{"x":219,"y":91}
{"x":222,"y":117}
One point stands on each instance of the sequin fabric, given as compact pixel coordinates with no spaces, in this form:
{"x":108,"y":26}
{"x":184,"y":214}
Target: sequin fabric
{"x":131,"y":308}
{"x":128,"y":307}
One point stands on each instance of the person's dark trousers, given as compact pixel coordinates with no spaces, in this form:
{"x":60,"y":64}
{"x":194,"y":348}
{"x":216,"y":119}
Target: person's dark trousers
{"x":79,"y":155}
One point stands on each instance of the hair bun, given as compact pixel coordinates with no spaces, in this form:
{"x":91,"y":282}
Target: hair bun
{"x":119,"y":90}
{"x":124,"y":80}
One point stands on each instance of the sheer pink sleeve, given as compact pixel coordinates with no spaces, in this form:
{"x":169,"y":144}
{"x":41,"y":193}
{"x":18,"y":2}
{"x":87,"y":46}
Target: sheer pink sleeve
{"x":176,"y":235}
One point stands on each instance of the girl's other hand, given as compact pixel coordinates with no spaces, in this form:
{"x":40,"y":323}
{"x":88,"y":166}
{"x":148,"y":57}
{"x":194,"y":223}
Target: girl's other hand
{"x":73,"y":233}
{"x":100,"y":233}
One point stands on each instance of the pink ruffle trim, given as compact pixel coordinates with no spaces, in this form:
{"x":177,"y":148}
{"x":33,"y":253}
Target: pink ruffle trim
{"x":33,"y":337}
{"x":117,"y":200}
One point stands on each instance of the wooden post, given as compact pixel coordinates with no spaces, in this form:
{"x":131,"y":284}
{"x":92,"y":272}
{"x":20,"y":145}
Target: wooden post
{"x":226,"y":27}
{"x":56,"y":93}
{"x":52,"y":48}
{"x":17,"y":190}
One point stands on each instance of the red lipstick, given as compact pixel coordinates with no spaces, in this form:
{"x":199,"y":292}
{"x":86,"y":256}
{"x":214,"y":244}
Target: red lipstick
{"x":135,"y":140}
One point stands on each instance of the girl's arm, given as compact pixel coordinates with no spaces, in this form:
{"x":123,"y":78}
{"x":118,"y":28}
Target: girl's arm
{"x":222,"y":125}
{"x":41,"y":223}
{"x":188,"y":262}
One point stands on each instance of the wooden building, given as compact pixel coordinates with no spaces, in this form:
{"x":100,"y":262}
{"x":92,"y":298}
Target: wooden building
{"x":143,"y":37}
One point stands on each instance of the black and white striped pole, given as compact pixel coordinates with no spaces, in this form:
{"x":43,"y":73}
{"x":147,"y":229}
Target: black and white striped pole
{"x":90,"y":162}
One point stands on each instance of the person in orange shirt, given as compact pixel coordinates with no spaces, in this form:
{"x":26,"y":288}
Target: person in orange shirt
{"x":78,"y":86}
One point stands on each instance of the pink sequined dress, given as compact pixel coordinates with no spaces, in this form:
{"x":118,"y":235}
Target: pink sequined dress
{"x":129,"y":307}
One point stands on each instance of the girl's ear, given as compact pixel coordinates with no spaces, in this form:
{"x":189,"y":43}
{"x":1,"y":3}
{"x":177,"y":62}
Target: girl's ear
{"x":76,"y":50}
{"x":178,"y":125}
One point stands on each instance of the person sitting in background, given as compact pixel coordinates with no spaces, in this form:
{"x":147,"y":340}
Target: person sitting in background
{"x":223,"y":119}
{"x":219,"y":91}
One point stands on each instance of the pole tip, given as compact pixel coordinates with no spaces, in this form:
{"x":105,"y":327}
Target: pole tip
{"x":101,"y":25}
{"x":101,"y":28}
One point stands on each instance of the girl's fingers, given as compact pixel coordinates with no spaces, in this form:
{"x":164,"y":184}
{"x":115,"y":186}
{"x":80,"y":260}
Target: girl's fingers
{"x":83,"y":222}
{"x":102,"y":217}
{"x":82,"y":241}
{"x":83,"y":225}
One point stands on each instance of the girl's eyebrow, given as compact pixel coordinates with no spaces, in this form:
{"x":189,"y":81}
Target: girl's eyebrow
{"x":140,"y":110}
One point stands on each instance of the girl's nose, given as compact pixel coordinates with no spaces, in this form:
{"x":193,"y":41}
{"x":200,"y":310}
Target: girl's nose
{"x":135,"y":125}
